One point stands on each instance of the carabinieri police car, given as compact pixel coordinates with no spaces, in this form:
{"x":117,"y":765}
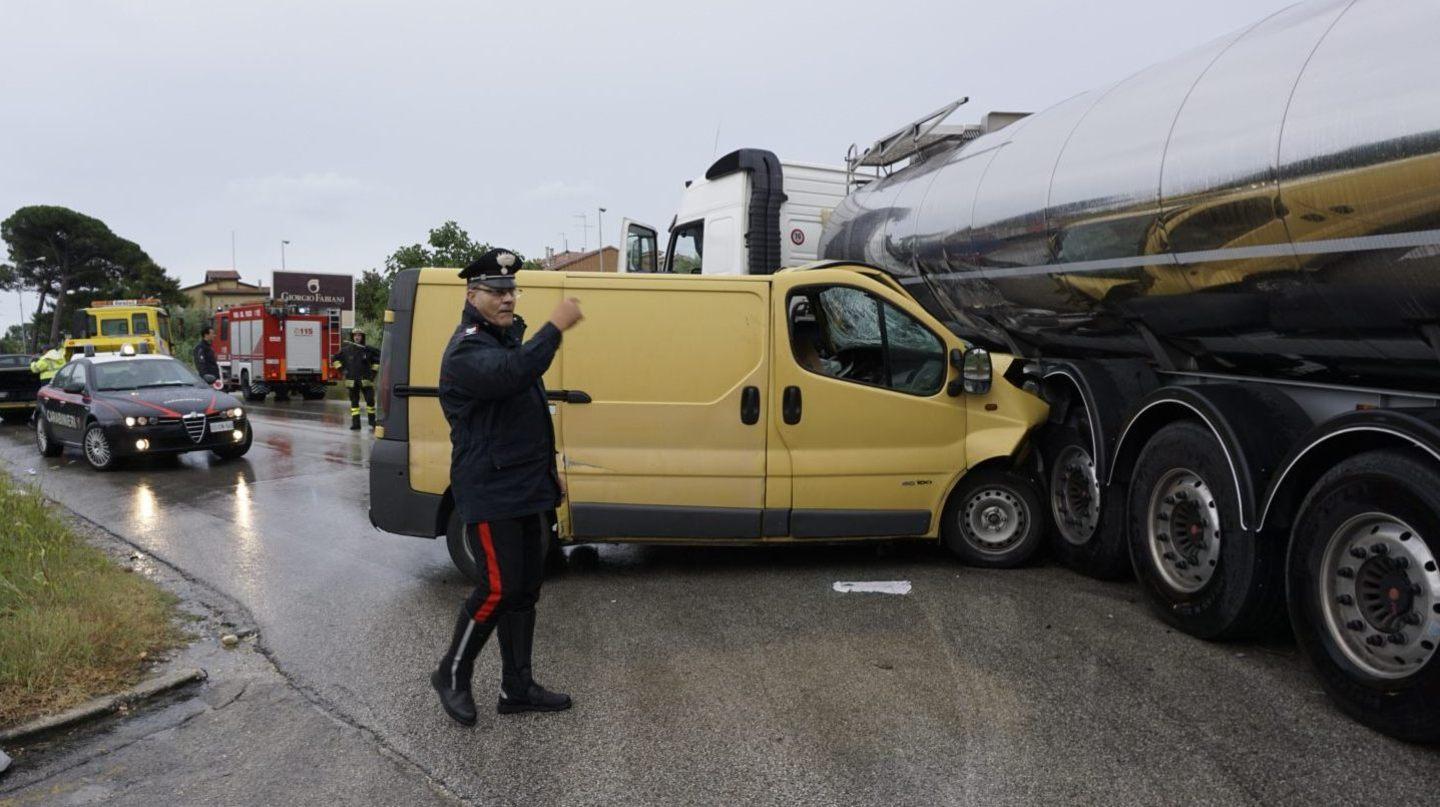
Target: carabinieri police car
{"x":117,"y":405}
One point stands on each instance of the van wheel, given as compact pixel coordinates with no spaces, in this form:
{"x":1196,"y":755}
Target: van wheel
{"x":1200,"y":571}
{"x":993,"y":519}
{"x":1364,"y":591}
{"x":462,"y":551}
{"x":1088,"y":519}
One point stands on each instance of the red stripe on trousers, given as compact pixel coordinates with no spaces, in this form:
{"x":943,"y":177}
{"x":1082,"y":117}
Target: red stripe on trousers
{"x":493,"y":598}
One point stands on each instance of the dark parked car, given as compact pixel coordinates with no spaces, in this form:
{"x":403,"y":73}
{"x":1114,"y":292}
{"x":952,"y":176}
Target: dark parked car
{"x":17,"y":387}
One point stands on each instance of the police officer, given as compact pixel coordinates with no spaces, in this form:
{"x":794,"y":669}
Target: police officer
{"x":48,"y":364}
{"x":503,"y":475}
{"x":204,"y":357}
{"x":358,"y":361}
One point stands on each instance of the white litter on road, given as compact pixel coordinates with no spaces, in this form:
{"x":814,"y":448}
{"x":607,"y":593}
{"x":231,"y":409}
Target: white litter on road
{"x":873,"y":586}
{"x":30,"y":471}
{"x":4,"y":761}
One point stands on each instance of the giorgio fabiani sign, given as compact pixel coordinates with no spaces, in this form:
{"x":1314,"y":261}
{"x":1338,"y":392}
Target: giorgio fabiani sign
{"x":327,"y":291}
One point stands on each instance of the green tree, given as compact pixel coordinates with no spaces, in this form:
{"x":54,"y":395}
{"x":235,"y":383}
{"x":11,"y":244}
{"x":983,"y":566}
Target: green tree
{"x":14,"y":340}
{"x":70,"y":259}
{"x":448,"y":245}
{"x":372,"y":294}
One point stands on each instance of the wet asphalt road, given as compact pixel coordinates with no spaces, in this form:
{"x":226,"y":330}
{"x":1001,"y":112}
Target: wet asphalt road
{"x":718,"y":676}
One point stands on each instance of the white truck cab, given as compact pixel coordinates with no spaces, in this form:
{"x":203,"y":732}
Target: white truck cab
{"x":750,"y":214}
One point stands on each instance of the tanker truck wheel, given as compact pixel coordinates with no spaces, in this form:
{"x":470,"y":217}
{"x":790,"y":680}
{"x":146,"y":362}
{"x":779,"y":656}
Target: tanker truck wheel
{"x":1088,"y":520}
{"x":1201,"y":572}
{"x":993,"y":519}
{"x":1364,"y":591}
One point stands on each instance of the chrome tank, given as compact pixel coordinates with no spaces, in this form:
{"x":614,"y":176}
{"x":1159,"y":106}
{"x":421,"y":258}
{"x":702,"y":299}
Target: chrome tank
{"x":1268,"y":203}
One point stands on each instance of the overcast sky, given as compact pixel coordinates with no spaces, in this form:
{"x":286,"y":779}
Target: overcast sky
{"x":352,"y":128}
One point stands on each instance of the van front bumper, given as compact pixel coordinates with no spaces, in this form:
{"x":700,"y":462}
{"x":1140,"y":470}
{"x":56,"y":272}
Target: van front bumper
{"x":394,"y":505}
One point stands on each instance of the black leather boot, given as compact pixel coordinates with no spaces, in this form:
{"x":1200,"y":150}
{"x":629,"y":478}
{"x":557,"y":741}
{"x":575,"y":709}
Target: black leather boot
{"x":452,"y":678}
{"x":518,"y":690}
{"x":372,"y":420}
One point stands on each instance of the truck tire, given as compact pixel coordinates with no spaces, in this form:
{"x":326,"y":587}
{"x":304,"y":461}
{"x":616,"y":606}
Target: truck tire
{"x":1087,"y":532}
{"x":1364,"y":591}
{"x":1201,"y":572}
{"x":314,"y":392}
{"x":994,"y":519}
{"x":254,"y":393}
{"x":45,"y":442}
{"x":462,"y":551}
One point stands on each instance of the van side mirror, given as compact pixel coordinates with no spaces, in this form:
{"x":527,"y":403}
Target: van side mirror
{"x":977,"y":371}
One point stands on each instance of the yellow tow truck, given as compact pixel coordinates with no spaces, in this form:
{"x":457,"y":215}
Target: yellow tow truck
{"x":111,"y":324}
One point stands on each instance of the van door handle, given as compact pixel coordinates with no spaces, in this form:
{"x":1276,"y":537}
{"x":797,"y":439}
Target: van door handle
{"x":750,"y":406}
{"x":573,"y":396}
{"x":790,"y":409}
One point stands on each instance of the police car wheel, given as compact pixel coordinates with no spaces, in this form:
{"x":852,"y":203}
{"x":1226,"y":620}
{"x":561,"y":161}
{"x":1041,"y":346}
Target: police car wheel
{"x":98,"y":451}
{"x":48,"y":445}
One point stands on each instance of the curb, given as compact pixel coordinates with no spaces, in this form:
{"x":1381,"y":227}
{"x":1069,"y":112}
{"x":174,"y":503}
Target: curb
{"x":101,"y":706}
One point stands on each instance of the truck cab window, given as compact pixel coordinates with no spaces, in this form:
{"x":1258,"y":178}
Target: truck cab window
{"x":686,"y":248}
{"x":139,"y":324}
{"x":114,"y":327}
{"x":640,"y":249}
{"x":165,"y":328}
{"x":846,"y":333}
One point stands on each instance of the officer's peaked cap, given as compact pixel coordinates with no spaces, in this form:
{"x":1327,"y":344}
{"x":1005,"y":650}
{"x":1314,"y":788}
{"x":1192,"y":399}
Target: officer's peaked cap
{"x":495,"y":269}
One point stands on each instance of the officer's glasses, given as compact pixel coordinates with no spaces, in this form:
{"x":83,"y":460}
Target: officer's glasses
{"x":499,"y":294}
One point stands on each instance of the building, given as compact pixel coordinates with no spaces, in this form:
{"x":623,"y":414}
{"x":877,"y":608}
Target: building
{"x":224,"y":287}
{"x":583,"y":261}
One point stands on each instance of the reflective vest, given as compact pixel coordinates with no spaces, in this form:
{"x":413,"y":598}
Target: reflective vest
{"x":48,"y":364}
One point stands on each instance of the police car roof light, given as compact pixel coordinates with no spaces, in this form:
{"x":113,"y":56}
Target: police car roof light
{"x":127,"y":349}
{"x":89,"y":351}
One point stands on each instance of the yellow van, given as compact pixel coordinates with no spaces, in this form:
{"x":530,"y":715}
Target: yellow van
{"x":817,"y":404}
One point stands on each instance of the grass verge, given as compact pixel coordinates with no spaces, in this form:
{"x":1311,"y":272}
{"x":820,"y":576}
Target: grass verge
{"x":73,"y":625}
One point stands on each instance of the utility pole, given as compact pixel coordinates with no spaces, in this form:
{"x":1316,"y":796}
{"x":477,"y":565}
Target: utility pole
{"x":233,"y":267}
{"x":283,"y":242}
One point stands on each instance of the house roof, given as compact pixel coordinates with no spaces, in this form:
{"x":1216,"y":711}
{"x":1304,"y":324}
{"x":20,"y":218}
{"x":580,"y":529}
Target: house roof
{"x":563,"y":259}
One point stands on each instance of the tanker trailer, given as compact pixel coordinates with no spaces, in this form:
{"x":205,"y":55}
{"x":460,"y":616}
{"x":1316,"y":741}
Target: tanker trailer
{"x":1224,"y":274}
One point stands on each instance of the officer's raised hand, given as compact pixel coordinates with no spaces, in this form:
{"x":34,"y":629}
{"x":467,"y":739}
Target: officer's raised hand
{"x":566,"y":314}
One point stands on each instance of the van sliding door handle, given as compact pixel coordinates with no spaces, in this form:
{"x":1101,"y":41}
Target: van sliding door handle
{"x":750,"y":406}
{"x":790,"y":409}
{"x":573,"y":396}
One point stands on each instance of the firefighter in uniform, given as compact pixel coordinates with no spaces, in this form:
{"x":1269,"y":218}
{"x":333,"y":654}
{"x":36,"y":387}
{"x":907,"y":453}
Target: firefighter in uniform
{"x":48,"y":364}
{"x":358,"y":361}
{"x":505,"y":484}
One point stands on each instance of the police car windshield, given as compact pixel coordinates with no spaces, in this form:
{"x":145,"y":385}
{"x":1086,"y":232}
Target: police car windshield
{"x":137,"y":374}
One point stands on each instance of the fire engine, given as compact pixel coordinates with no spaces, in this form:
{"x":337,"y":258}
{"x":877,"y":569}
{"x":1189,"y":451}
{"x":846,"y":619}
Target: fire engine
{"x":277,"y":347}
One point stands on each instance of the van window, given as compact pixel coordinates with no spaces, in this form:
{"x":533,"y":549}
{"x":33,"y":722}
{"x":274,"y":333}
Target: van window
{"x":843,"y":332}
{"x":114,"y":327}
{"x":139,"y":324}
{"x":686,"y":249}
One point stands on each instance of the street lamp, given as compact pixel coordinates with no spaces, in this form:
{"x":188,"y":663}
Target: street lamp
{"x":283,"y":242}
{"x":600,"y":234}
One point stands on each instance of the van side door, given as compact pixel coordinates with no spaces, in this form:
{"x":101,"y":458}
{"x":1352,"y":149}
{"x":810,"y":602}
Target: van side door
{"x":669,"y":441}
{"x":861,"y":405}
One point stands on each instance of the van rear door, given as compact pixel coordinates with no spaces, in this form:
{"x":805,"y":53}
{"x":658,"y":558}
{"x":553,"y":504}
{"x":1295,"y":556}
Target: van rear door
{"x":670,"y":439}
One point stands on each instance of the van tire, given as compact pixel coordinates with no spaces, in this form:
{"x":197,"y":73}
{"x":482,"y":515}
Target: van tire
{"x":994,"y":519}
{"x":1089,"y":540}
{"x":461,"y":550}
{"x":1182,"y":490}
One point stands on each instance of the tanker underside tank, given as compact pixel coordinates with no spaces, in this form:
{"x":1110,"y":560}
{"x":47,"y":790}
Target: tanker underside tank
{"x":1268,"y":203}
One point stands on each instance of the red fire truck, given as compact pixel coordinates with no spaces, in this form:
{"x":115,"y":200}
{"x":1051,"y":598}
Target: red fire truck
{"x":277,"y":347}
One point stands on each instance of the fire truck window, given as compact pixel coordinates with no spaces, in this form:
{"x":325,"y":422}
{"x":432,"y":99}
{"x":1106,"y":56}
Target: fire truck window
{"x":139,"y":324}
{"x":114,"y":327}
{"x":223,"y":332}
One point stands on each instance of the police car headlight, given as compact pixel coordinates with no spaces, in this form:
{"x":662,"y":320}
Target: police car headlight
{"x":144,"y":421}
{"x":130,"y":422}
{"x":142,"y":444}
{"x":236,"y":412}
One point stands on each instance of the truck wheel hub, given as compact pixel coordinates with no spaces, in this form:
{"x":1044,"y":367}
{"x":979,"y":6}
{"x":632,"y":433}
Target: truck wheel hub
{"x":1075,"y":495}
{"x":1380,"y":595}
{"x":1184,"y":526}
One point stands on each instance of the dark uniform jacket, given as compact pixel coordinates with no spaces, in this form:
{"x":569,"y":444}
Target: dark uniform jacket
{"x":357,"y":361}
{"x":502,"y":456}
{"x":205,"y":363}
